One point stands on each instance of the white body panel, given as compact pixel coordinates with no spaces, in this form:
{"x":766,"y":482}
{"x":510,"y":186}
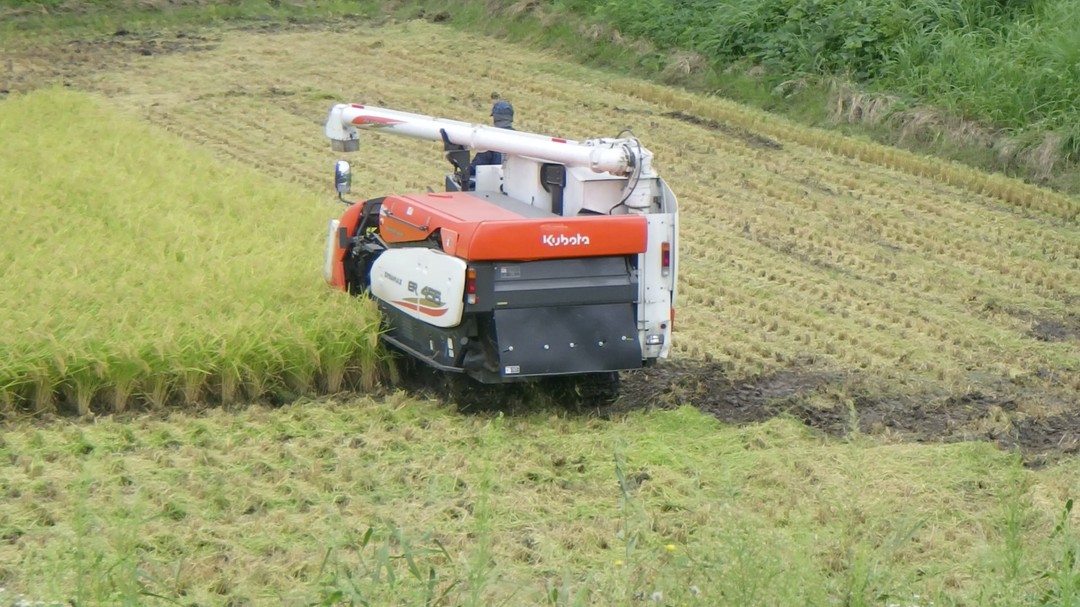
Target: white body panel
{"x":521,"y":181}
{"x":426,"y":284}
{"x":331,"y":238}
{"x":489,"y":178}
{"x":656,"y":287}
{"x":592,"y":192}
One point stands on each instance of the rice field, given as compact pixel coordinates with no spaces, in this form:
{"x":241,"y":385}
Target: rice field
{"x":139,"y":269}
{"x":162,"y":252}
{"x":799,"y":247}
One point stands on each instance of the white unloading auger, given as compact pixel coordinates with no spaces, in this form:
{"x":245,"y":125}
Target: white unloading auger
{"x":616,"y":156}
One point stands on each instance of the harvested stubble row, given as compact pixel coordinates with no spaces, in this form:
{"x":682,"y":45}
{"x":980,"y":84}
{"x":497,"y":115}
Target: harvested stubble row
{"x":874,"y":227}
{"x":890,"y":304}
{"x":138,"y":267}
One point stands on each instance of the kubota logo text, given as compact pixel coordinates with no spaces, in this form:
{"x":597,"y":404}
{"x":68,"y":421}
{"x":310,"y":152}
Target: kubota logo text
{"x":562,"y":240}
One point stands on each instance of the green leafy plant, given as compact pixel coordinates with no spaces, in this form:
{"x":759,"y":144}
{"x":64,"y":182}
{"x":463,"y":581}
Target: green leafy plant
{"x":1063,"y":580}
{"x":385,"y":564}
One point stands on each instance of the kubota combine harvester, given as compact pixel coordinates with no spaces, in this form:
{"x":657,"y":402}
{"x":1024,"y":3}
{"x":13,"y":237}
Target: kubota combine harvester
{"x":561,"y":261}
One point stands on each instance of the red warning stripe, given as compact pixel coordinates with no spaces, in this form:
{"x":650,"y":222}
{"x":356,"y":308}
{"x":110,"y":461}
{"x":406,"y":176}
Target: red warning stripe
{"x":375,"y":120}
{"x":412,"y":305}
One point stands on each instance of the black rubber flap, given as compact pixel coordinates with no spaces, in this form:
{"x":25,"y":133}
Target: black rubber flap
{"x":567,"y":339}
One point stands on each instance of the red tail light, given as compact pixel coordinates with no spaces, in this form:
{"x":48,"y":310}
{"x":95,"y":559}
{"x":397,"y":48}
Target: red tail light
{"x":665,"y":257}
{"x":470,"y":285}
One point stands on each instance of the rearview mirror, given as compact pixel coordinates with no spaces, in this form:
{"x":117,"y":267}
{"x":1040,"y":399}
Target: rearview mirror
{"x":342,"y":177}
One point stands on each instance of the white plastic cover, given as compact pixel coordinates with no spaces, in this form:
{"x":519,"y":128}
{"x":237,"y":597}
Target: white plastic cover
{"x":331,"y":242}
{"x":426,"y":284}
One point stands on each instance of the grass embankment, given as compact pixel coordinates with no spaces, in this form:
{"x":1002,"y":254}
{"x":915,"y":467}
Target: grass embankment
{"x":136,"y":266}
{"x":266,"y":506}
{"x":1011,"y":64}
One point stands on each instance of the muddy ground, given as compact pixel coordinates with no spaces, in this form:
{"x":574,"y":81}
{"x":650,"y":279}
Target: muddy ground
{"x":841,"y":405}
{"x":836,"y":403}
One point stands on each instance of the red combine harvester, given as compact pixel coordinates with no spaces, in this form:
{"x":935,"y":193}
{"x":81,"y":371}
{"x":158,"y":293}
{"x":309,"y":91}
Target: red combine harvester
{"x":561,"y":261}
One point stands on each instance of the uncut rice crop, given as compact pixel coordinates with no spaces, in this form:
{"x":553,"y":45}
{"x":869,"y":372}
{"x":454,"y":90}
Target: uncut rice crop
{"x":137,"y":267}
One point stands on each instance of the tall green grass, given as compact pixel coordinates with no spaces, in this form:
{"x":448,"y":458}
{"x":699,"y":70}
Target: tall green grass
{"x":1009,"y":63}
{"x":1022,"y":73}
{"x":138,"y":267}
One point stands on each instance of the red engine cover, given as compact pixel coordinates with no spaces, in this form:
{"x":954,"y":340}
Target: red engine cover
{"x":477,"y":229}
